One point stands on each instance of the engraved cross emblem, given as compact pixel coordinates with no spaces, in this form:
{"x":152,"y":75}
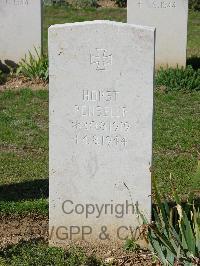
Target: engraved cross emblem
{"x":140,"y":3}
{"x":102,"y":59}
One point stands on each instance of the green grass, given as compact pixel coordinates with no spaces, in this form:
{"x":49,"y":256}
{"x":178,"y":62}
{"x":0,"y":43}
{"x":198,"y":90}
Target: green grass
{"x":63,"y":14}
{"x":23,"y":149}
{"x":23,"y":136}
{"x":24,"y":207}
{"x":193,"y":49}
{"x":24,"y":146}
{"x":176,"y":139}
{"x":38,"y":253}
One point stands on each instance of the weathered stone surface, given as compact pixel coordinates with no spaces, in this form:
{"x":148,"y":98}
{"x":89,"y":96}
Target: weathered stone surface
{"x":170,"y":19}
{"x":20,"y":29}
{"x":101,"y":107}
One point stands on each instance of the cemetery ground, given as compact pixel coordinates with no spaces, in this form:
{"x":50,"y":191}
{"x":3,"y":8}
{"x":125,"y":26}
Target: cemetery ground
{"x":24,"y":155}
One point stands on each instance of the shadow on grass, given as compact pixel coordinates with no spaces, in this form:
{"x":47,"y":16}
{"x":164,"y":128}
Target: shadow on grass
{"x":7,"y":65}
{"x":194,"y":62}
{"x":29,"y":190}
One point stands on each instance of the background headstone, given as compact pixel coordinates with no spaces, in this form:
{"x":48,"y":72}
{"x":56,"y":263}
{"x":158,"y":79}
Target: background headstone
{"x":170,"y":19}
{"x":101,"y":107}
{"x":20,"y":29}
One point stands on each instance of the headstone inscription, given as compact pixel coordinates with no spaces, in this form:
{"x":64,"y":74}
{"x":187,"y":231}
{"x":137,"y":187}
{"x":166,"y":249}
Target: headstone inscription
{"x":170,"y":19}
{"x":20,"y":29}
{"x":101,"y":107}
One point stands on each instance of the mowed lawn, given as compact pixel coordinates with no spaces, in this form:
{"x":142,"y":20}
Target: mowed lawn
{"x":24,"y":129}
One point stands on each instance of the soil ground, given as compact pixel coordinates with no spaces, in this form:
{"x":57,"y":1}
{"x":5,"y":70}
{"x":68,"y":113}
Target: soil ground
{"x":16,"y":83}
{"x":107,"y":3}
{"x":16,"y":228}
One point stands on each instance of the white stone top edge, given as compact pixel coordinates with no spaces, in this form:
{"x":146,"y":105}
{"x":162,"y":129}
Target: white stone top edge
{"x":108,"y":22}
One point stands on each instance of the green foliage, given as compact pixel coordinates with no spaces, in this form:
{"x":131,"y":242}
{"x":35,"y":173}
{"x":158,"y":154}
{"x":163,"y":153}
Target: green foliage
{"x":2,"y":261}
{"x":39,"y":254}
{"x":131,"y":245}
{"x":194,"y":5}
{"x":175,"y":235}
{"x":85,"y":3}
{"x":178,"y":78}
{"x":121,"y":3}
{"x":34,"y":67}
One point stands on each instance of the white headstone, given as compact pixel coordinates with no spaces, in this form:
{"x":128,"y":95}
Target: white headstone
{"x":170,"y":19}
{"x":101,"y":106}
{"x":20,"y":29}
